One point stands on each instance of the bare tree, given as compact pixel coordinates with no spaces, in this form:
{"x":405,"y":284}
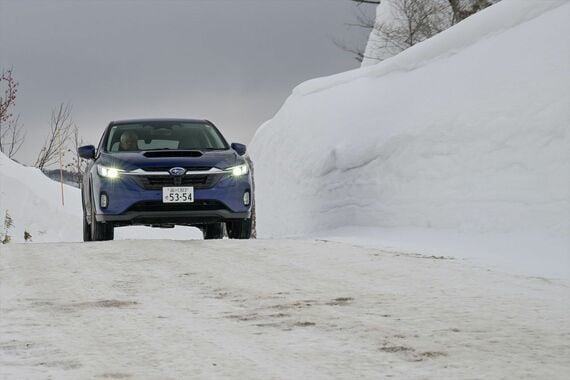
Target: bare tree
{"x":411,"y":22}
{"x":363,"y":20}
{"x":357,"y":51}
{"x":9,"y":127}
{"x":12,"y":136}
{"x":61,"y":130}
{"x":464,"y":8}
{"x":8,"y":98}
{"x":77,"y":165}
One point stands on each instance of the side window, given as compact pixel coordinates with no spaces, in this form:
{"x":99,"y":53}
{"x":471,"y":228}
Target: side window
{"x":111,"y":142}
{"x":101,"y":143}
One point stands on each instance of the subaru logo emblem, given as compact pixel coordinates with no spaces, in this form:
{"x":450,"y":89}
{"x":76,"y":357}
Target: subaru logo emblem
{"x":177,"y":171}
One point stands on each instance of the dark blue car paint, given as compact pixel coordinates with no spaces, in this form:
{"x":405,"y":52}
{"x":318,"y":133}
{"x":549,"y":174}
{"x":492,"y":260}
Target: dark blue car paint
{"x":124,"y":191}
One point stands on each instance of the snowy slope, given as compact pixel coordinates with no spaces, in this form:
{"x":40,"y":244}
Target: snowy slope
{"x":271,"y":310}
{"x":467,"y":132}
{"x":33,"y":201}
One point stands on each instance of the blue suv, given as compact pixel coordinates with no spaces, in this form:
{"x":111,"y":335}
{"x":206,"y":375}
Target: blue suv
{"x":166,"y":172}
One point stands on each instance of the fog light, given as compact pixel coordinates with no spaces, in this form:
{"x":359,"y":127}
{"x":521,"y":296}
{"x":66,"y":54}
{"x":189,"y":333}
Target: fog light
{"x":104,"y":200}
{"x":246,"y":198}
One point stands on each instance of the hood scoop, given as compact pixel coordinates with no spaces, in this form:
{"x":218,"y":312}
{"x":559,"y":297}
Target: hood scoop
{"x":173,"y":153}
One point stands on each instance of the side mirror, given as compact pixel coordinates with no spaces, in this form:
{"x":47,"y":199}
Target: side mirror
{"x":87,"y":152}
{"x":239,"y":148}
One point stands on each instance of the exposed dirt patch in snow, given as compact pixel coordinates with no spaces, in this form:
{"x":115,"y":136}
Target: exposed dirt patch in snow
{"x":115,"y":376}
{"x":340,"y":301}
{"x":103,"y":303}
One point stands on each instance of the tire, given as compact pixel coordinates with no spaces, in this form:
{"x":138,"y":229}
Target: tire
{"x":239,"y":229}
{"x":86,"y":228}
{"x":100,"y":231}
{"x":86,"y":225}
{"x":213,"y":231}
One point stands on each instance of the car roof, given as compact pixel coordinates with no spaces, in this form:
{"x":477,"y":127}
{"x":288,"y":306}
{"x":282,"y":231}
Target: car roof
{"x":154,"y":120}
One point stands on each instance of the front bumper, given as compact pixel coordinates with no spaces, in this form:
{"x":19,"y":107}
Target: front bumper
{"x":129,"y":203}
{"x":173,"y":217}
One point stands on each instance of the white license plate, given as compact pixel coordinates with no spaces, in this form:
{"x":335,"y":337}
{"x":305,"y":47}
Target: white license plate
{"x":183,"y":194}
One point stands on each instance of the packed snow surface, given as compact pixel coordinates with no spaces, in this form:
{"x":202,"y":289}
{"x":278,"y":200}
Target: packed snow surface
{"x":467,"y":134}
{"x":271,"y":309}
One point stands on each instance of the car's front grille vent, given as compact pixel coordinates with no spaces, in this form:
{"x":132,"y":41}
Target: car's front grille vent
{"x":173,"y":153}
{"x":167,"y":168}
{"x":171,"y":181}
{"x":157,"y":182}
{"x":200,"y":205}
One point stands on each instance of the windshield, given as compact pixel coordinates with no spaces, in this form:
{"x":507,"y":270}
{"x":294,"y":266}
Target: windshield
{"x":164,"y":135}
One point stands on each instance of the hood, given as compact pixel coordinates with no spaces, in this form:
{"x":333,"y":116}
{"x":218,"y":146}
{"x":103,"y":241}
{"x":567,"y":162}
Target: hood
{"x":169,"y":159}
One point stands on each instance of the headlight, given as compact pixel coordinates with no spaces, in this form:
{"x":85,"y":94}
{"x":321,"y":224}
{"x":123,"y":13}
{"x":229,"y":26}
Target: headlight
{"x":107,"y":172}
{"x":239,"y":170}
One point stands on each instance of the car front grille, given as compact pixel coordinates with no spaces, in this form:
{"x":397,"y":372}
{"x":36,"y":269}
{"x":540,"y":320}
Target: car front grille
{"x":167,"y":168}
{"x":199,"y":205}
{"x":157,"y":182}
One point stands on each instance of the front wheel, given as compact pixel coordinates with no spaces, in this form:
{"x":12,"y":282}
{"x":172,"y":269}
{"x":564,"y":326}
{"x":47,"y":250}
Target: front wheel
{"x":239,"y":229}
{"x":100,"y":231}
{"x":86,"y":228}
{"x":213,"y":231}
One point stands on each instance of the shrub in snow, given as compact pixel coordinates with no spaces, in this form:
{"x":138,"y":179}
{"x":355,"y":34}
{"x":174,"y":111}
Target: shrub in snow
{"x":8,"y":224}
{"x":401,"y":24}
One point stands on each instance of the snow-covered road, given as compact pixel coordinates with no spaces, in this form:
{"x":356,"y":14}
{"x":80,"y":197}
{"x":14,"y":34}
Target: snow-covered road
{"x":268,"y":309}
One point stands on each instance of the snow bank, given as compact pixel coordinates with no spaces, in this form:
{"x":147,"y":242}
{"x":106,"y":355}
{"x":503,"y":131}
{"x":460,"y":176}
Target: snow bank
{"x":33,"y":201}
{"x":488,"y":23}
{"x":465,"y":132}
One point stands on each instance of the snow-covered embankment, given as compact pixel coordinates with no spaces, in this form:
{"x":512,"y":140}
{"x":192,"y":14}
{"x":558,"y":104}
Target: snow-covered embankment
{"x":34,"y":204}
{"x":464,"y":135}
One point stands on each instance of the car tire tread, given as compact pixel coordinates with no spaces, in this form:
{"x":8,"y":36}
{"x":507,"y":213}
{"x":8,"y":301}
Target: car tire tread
{"x":240,"y":229}
{"x":213,"y":231}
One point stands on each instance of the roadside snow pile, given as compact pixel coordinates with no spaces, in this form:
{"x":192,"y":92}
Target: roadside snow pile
{"x":467,"y":132}
{"x":33,"y":202}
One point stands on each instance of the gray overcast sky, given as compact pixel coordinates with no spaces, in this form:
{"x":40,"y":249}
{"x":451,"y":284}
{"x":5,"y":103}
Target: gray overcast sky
{"x":231,"y":61}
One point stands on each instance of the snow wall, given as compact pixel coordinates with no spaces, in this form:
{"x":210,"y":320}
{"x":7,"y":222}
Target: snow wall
{"x":467,"y":131}
{"x":33,"y":202}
